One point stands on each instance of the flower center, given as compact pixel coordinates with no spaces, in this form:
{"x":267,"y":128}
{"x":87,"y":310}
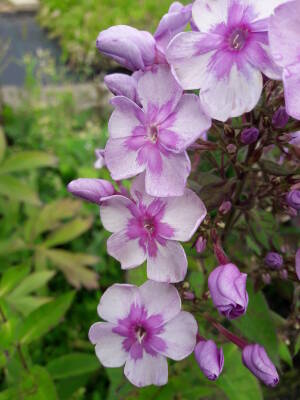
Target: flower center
{"x":238,"y":39}
{"x":140,"y":333}
{"x":153,"y":134}
{"x":148,"y":225}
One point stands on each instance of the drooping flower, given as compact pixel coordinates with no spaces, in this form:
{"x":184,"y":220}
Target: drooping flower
{"x":145,"y":325}
{"x":155,"y":138}
{"x":284,"y":37}
{"x":227,"y":57}
{"x":297,"y":263}
{"x":227,"y":286}
{"x":293,"y":199}
{"x":249,"y":135}
{"x":257,"y":361}
{"x":280,"y":118}
{"x":209,"y":358}
{"x":92,"y":190}
{"x":148,"y":228}
{"x":273,"y":260}
{"x":139,"y":50}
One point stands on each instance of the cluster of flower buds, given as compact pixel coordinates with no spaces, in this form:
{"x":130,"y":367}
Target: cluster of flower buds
{"x":231,"y":46}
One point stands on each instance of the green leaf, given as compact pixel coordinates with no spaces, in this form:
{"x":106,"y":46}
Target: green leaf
{"x":72,"y":365}
{"x":32,"y":283}
{"x":236,"y":381}
{"x":258,"y":325}
{"x":25,"y":305}
{"x":37,"y":385}
{"x":284,"y":354}
{"x":7,"y":332}
{"x":9,"y":394}
{"x":27,"y":160}
{"x":11,"y":245}
{"x":14,"y":189}
{"x":68,"y":232}
{"x":40,"y":321}
{"x":297,"y":345}
{"x":137,"y":276}
{"x":11,"y":278}
{"x":2,"y":144}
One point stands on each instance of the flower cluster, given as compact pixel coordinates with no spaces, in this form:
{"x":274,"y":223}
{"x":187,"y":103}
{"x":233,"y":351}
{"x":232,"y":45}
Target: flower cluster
{"x":232,"y":48}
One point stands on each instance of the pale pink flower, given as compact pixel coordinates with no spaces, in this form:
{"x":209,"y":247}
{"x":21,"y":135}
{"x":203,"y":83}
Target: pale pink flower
{"x":148,"y":228}
{"x":145,"y":325}
{"x":154,"y":138}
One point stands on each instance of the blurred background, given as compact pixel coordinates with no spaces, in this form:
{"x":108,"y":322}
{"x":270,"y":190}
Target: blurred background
{"x":53,"y":262}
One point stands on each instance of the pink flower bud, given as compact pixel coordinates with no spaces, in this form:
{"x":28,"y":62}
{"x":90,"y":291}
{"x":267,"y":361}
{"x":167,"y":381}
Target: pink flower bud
{"x":91,"y":190}
{"x":209,"y":358}
{"x":188,"y":296}
{"x":273,"y":260}
{"x":231,"y":148}
{"x":225,"y":207}
{"x":249,"y":135}
{"x":293,"y":199}
{"x":283,"y":274}
{"x":201,"y":244}
{"x":266,"y":278}
{"x":280,"y":118}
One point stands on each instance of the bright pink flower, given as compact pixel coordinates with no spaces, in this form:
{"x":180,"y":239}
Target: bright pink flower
{"x":226,"y":57}
{"x":148,"y":228}
{"x":285,"y":48}
{"x":145,"y":325}
{"x":154,"y":138}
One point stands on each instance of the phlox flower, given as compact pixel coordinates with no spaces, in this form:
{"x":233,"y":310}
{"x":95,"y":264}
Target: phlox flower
{"x":148,"y":228}
{"x":225,"y":59}
{"x":154,"y":138}
{"x":284,"y":37}
{"x":144,"y":326}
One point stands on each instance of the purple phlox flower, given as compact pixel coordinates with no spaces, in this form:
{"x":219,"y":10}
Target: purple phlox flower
{"x":200,"y":244}
{"x":100,"y":161}
{"x":92,"y":190}
{"x":227,"y":57}
{"x":149,"y":228}
{"x":145,"y":325}
{"x":154,"y":138}
{"x":249,"y":135}
{"x":209,"y":358}
{"x":139,"y":50}
{"x":227,"y":286}
{"x":284,"y":35}
{"x":293,"y":199}
{"x":257,"y":361}
{"x":273,"y":260}
{"x":280,"y":118}
{"x":297,"y":263}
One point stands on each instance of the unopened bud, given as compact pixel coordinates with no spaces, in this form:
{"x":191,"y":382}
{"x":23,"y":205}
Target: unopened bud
{"x":250,"y":135}
{"x":283,"y":274}
{"x":225,"y":207}
{"x":280,"y":118}
{"x":201,"y":244}
{"x":231,"y":148}
{"x":266,"y":278}
{"x":273,"y":260}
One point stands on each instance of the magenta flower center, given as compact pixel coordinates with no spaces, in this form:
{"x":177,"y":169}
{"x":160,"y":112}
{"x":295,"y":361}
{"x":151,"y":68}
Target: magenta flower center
{"x":153,"y":133}
{"x":238,"y":39}
{"x":149,"y":225}
{"x":140,"y":333}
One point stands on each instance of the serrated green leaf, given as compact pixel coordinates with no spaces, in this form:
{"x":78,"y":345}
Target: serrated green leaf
{"x":284,"y":354}
{"x":25,"y":160}
{"x":15,"y":189}
{"x":12,"y":277}
{"x":258,"y":325}
{"x":68,"y":232}
{"x":2,"y":144}
{"x":31,"y":283}
{"x":236,"y":381}
{"x":40,"y":321}
{"x":72,"y":365}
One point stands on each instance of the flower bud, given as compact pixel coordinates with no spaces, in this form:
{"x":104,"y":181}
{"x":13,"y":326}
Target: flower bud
{"x":257,"y":361}
{"x":91,"y":190}
{"x":100,"y":161}
{"x":297,"y":263}
{"x":283,"y":274}
{"x":122,"y":85}
{"x":188,"y":295}
{"x":293,"y":199}
{"x":280,"y":118}
{"x":201,"y":244}
{"x":273,"y":260}
{"x":131,"y":48}
{"x":225,"y":207}
{"x":209,"y":358}
{"x":249,"y":135}
{"x":266,"y":278}
{"x":231,"y":148}
{"x":227,"y":286}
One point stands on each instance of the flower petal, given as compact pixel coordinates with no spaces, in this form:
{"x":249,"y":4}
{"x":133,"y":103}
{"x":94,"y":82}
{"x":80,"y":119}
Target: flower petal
{"x":172,"y":179}
{"x":158,"y":92}
{"x":114,"y":212}
{"x":169,"y":264}
{"x":122,"y":85}
{"x":232,"y":96}
{"x":208,"y":13}
{"x":291,"y":83}
{"x":116,"y":301}
{"x":109,"y":345}
{"x":160,"y":298}
{"x":125,"y":118}
{"x":148,"y":370}
{"x":265,"y":8}
{"x":180,"y":336}
{"x":188,"y":122}
{"x":121,"y":160}
{"x":127,"y":251}
{"x":184,"y":214}
{"x":138,"y":191}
